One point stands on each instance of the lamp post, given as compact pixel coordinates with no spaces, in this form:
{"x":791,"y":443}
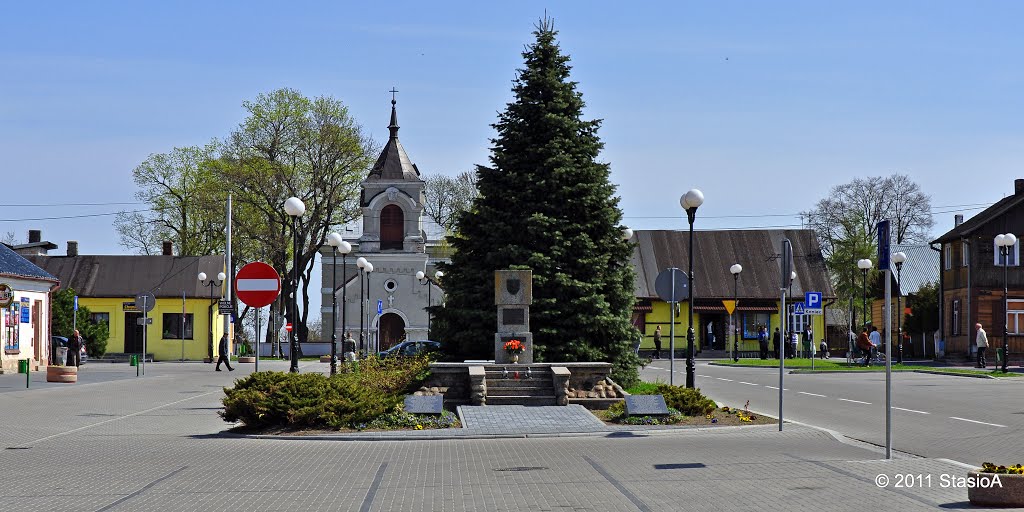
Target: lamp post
{"x":210,"y":284}
{"x":735,"y":269}
{"x":898,"y":259}
{"x":368,"y":268}
{"x":792,"y":277}
{"x":361,"y":264}
{"x":294,"y":207}
{"x":426,"y":280}
{"x":1005,"y":243}
{"x":337,"y":244}
{"x":690,"y":201}
{"x":864,"y":265}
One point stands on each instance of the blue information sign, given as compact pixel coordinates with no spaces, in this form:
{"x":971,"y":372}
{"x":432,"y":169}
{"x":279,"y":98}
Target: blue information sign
{"x":883,"y":245}
{"x":76,"y":302}
{"x":380,"y":306}
{"x":25,"y":311}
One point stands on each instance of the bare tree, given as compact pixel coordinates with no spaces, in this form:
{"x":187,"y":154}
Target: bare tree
{"x":10,"y":239}
{"x":448,"y":196}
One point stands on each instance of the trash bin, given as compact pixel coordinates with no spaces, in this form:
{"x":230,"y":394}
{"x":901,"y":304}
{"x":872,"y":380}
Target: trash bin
{"x":999,"y":354}
{"x":135,"y":360}
{"x":62,"y":356}
{"x":22,"y":365}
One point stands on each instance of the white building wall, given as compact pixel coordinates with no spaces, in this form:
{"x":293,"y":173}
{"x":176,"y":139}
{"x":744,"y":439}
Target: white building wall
{"x":34,"y":335}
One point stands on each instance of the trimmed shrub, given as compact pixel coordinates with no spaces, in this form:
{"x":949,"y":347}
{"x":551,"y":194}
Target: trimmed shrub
{"x":689,"y":402}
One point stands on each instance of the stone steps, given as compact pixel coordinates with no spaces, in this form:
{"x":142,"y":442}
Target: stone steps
{"x":520,"y":400}
{"x":520,"y":391}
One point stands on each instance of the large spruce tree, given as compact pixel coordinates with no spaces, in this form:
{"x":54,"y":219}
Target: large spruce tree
{"x":545,"y":204}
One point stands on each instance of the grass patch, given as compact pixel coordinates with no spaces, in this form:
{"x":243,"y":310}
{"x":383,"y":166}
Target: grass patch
{"x":832,"y":365}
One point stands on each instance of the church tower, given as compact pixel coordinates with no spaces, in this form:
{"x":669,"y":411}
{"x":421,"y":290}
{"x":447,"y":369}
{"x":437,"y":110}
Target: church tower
{"x":388,"y":304}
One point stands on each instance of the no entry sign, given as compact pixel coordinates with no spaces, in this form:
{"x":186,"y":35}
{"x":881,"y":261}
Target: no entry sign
{"x":257,"y":284}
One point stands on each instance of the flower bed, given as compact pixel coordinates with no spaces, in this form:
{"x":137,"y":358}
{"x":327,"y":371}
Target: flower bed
{"x":997,"y":486}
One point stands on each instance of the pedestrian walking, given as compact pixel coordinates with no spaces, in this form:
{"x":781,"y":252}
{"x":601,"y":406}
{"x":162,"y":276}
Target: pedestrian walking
{"x":222,"y":348}
{"x":776,"y":338}
{"x":823,"y":350}
{"x":791,"y":346}
{"x":75,"y":349}
{"x":982,"y":342}
{"x":762,"y":341}
{"x":865,"y":346}
{"x":657,"y":342}
{"x":808,"y":341}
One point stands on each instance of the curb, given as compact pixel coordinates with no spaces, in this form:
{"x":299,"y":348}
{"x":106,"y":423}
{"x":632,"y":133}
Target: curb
{"x":802,"y":371}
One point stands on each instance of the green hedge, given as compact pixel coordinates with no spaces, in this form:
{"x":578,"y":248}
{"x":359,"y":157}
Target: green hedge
{"x":358,"y":394}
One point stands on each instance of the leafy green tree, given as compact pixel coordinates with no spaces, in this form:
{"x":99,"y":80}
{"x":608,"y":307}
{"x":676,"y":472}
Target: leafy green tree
{"x":545,"y":204}
{"x":924,"y":310}
{"x":63,"y":311}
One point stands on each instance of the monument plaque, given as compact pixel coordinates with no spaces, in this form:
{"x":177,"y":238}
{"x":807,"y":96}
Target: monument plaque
{"x":432,"y":404}
{"x":513,"y":316}
{"x":646,"y":405}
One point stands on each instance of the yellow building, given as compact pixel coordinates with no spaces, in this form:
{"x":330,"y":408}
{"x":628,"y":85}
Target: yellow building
{"x":756,"y":288}
{"x":184,"y":324}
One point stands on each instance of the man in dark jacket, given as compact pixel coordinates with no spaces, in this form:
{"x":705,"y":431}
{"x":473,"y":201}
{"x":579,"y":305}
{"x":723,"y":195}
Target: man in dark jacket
{"x":222,"y":349}
{"x":75,"y":349}
{"x":775,"y":342}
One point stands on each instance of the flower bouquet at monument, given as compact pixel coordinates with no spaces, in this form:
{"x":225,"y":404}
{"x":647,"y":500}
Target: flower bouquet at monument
{"x":514,"y":347}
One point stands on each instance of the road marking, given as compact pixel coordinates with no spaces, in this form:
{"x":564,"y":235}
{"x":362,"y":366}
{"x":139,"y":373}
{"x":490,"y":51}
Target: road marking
{"x":727,"y":380}
{"x":981,"y":422}
{"x":855,"y":401}
{"x":749,"y":383}
{"x":775,"y":388}
{"x":655,"y":367}
{"x":812,"y":394}
{"x":910,"y":410}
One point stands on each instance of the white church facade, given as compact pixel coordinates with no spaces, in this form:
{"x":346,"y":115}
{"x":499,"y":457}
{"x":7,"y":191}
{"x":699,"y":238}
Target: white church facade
{"x":387,"y":305}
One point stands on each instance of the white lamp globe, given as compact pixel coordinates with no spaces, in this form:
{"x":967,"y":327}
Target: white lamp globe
{"x":792,"y":275}
{"x":221,"y":276}
{"x":420,"y":275}
{"x":334,"y":239}
{"x":438,"y":274}
{"x":736,"y":269}
{"x":1000,"y":240}
{"x":369,"y":267}
{"x":202,"y":276}
{"x":294,"y":207}
{"x":1011,"y":239}
{"x":864,"y":264}
{"x":693,"y":198}
{"x":899,"y":257}
{"x":361,"y":262}
{"x":627,"y":234}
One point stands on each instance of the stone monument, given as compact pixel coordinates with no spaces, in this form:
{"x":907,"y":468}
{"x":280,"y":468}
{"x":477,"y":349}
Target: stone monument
{"x":513,"y":294}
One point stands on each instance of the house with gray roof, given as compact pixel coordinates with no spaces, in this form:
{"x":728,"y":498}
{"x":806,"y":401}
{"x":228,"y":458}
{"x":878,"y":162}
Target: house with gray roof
{"x":25,"y":296}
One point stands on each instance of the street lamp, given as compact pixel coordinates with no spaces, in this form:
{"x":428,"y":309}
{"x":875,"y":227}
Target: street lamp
{"x":367,"y":269}
{"x":735,"y":269}
{"x":690,"y":201}
{"x":426,"y":280}
{"x":210,"y":284}
{"x":361,"y":264}
{"x":1005,"y":243}
{"x":294,"y":207}
{"x":898,"y":259}
{"x":337,"y":245}
{"x":864,"y":265}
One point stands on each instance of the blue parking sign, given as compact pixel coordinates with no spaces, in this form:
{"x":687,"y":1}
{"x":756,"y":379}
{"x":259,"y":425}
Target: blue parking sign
{"x":812,"y":303}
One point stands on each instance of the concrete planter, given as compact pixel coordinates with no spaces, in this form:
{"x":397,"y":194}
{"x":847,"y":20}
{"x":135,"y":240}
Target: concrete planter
{"x":325,"y":359}
{"x":65,"y":374}
{"x":1008,"y":492}
{"x":246,"y":359}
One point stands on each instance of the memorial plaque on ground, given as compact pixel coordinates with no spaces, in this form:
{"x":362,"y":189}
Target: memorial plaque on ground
{"x":646,"y":405}
{"x":433,"y":404}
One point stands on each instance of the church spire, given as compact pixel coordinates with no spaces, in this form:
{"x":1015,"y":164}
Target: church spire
{"x":393,"y":127}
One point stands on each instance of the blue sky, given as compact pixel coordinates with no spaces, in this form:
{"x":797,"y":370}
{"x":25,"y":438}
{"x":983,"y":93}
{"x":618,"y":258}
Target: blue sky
{"x":762,"y":105}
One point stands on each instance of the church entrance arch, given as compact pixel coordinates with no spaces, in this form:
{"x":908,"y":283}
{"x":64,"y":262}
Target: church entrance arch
{"x":392,"y":229}
{"x":392,"y":327}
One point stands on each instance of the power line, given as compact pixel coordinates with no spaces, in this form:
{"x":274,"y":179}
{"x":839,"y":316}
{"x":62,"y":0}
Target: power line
{"x":50,"y":205}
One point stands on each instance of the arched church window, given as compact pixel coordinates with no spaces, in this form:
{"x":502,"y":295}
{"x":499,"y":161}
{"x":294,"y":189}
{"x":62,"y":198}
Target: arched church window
{"x":392,"y":231}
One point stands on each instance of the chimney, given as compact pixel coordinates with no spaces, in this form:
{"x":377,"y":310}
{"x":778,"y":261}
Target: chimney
{"x":1018,"y":186}
{"x":35,"y":236}
{"x":168,"y":248}
{"x":958,"y":219}
{"x":72,"y":248}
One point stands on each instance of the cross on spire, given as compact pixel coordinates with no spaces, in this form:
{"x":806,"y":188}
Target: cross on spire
{"x":393,"y":91}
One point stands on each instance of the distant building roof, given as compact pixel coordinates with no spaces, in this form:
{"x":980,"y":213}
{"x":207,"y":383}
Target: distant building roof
{"x":921,"y":267}
{"x":127,"y":276}
{"x":985,"y":216}
{"x":716,"y":251}
{"x":15,"y":265}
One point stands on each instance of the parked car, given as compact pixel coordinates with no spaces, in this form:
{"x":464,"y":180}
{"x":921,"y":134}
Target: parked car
{"x":411,"y":348}
{"x":61,"y":341}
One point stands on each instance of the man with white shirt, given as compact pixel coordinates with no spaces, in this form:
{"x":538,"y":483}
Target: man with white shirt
{"x":982,"y":342}
{"x":876,"y":341}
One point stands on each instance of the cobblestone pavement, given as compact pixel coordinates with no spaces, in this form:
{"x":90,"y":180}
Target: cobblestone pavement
{"x":154,"y":443}
{"x":502,"y":419}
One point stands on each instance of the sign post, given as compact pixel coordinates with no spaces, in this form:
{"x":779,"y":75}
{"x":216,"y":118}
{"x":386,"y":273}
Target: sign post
{"x":145,"y":301}
{"x":671,"y":286}
{"x":883,"y":265}
{"x":257,"y":285}
{"x":785,"y":266}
